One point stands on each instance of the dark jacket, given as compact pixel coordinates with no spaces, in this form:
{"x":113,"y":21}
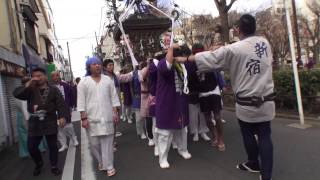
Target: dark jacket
{"x":54,"y":106}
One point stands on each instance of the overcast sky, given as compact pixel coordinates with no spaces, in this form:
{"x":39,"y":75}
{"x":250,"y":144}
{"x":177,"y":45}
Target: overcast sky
{"x":76,"y":21}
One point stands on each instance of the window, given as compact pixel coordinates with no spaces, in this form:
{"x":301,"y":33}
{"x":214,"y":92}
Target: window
{"x":30,"y":33}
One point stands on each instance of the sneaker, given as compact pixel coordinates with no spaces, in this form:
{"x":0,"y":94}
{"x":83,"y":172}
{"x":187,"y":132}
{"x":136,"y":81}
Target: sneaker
{"x":118,"y":134}
{"x":151,"y":142}
{"x":223,"y":121}
{"x":130,"y":121}
{"x":249,"y":167}
{"x":55,"y":171}
{"x":75,"y":141}
{"x":195,"y":137}
{"x":205,"y":137}
{"x":63,"y":148}
{"x":37,"y":169}
{"x":164,"y":165}
{"x":143,"y":136}
{"x":185,"y":154}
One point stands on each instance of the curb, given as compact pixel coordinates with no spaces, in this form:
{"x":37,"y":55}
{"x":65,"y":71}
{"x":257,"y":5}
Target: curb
{"x":283,"y":115}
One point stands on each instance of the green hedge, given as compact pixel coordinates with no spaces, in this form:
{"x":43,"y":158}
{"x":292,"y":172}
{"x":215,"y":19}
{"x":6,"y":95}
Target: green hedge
{"x":285,"y":88}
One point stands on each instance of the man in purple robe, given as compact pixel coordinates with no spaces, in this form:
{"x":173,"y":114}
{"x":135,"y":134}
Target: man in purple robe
{"x":152,"y":83}
{"x":171,"y":107}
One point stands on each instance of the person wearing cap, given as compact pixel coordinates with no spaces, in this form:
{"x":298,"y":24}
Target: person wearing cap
{"x":98,"y":104}
{"x":249,"y":62}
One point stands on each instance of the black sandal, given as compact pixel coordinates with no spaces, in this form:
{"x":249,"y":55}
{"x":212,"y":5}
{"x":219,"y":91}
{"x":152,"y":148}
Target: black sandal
{"x":55,"y":171}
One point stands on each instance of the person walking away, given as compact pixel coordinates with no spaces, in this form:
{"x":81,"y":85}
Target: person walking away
{"x":249,"y":62}
{"x":196,"y":117}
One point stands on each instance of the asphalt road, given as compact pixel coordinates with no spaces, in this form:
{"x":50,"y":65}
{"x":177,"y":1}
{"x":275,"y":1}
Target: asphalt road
{"x":296,"y":156}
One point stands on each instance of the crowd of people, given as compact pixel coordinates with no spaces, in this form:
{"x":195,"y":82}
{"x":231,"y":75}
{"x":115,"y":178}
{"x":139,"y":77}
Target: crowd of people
{"x":175,"y":92}
{"x":179,"y":90}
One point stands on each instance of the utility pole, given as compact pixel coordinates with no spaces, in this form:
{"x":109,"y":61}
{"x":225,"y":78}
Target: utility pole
{"x":70,"y":68}
{"x":294,"y":65}
{"x":96,"y":38}
{"x":296,"y":31}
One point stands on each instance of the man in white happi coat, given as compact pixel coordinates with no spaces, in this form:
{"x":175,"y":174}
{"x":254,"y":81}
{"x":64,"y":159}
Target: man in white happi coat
{"x":249,"y":62}
{"x":98,"y":102}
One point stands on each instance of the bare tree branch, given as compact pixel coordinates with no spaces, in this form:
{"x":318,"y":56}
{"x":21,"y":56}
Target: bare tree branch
{"x":230,"y":5}
{"x":218,"y":3}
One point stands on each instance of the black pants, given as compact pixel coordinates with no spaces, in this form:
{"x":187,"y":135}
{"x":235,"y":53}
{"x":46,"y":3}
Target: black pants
{"x":33,"y":144}
{"x":149,"y":127}
{"x":262,"y":147}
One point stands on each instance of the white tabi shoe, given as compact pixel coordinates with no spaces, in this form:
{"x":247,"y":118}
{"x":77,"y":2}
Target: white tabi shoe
{"x":205,"y":137}
{"x":118,"y":134}
{"x":63,"y":148}
{"x":75,"y":141}
{"x":143,"y":136}
{"x":214,"y":122}
{"x":165,"y":165}
{"x":174,"y":146}
{"x":151,"y":142}
{"x":196,"y":137}
{"x":156,"y":151}
{"x":124,"y":119}
{"x":185,"y":154}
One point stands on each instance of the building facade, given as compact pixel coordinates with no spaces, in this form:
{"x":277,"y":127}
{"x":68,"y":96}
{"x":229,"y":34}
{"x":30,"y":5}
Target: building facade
{"x":27,"y":40}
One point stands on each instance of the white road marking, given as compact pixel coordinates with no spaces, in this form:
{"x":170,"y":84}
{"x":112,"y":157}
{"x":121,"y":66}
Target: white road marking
{"x":87,"y":170}
{"x":68,"y":169}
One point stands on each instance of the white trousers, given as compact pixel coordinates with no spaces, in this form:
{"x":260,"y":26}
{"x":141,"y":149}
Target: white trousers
{"x":102,"y":149}
{"x":165,"y":138}
{"x":126,"y":112}
{"x":197,"y":122}
{"x":66,"y":131}
{"x":154,"y":132}
{"x":139,"y":122}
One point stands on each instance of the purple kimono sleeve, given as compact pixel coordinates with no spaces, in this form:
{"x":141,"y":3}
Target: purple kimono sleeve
{"x":163,"y":68}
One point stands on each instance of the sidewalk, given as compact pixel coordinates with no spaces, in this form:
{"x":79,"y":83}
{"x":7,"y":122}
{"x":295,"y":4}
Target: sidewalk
{"x":309,"y":119}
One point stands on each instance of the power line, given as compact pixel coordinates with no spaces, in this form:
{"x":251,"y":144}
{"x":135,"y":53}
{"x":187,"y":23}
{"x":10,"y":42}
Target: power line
{"x":78,"y":38}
